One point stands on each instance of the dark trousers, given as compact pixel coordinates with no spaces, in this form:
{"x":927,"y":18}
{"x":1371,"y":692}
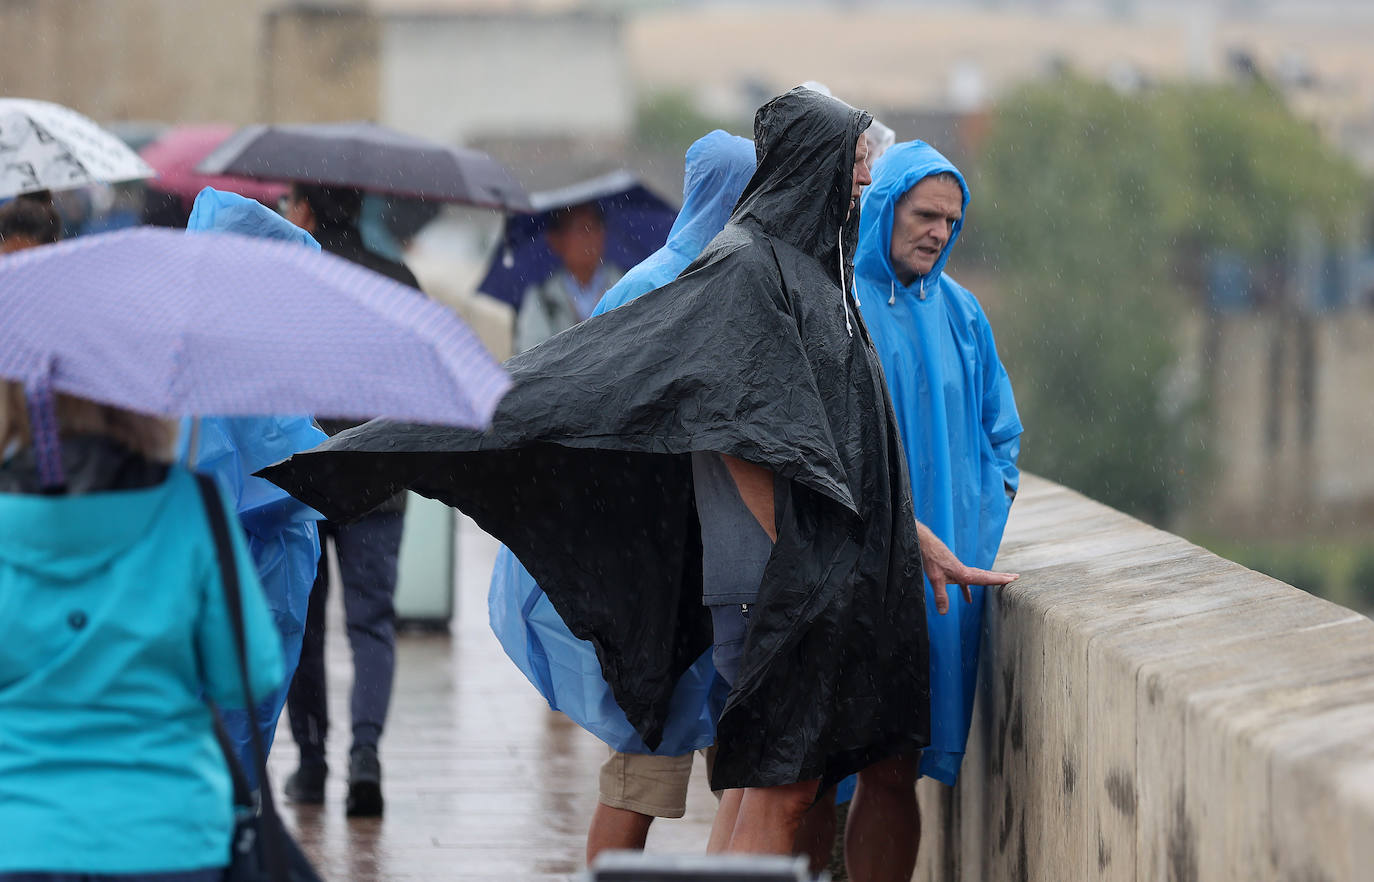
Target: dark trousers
{"x":367,"y":551}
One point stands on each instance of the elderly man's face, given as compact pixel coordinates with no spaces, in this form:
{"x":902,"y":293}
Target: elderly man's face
{"x":922,"y":223}
{"x":861,"y":177}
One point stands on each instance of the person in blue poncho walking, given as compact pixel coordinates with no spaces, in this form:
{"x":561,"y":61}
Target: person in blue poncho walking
{"x":635,"y":786}
{"x":959,"y":425}
{"x":282,"y":533}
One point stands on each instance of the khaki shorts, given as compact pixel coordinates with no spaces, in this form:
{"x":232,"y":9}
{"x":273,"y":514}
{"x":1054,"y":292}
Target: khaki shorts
{"x":650,"y":785}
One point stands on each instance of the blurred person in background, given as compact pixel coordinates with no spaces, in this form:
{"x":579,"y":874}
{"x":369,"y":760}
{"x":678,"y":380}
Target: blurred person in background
{"x":282,"y":534}
{"x":577,"y":237}
{"x":114,"y":630}
{"x":332,"y":215}
{"x":367,"y":550}
{"x":961,"y":434}
{"x":27,"y":221}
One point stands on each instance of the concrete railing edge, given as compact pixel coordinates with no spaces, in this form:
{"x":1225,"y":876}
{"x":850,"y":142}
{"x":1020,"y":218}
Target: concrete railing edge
{"x":1148,"y":710}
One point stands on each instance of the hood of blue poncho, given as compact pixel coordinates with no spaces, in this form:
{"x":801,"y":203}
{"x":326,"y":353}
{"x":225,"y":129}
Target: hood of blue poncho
{"x":216,"y":211}
{"x":900,"y":168}
{"x":718,"y":167}
{"x":232,"y":448}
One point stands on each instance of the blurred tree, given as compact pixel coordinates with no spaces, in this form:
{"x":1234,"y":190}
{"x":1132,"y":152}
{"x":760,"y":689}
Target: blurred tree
{"x":1087,"y":203}
{"x":670,"y":121}
{"x":1070,"y":206}
{"x":1252,"y":168}
{"x":1363,"y":582}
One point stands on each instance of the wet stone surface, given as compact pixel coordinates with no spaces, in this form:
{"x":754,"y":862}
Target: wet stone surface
{"x":482,"y":781}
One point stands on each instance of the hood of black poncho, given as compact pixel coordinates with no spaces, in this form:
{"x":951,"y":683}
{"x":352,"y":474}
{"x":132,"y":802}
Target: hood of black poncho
{"x":805,"y":142}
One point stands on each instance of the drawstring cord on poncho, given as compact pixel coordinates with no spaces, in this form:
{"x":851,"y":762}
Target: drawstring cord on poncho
{"x":844,"y":294}
{"x":892,"y":296}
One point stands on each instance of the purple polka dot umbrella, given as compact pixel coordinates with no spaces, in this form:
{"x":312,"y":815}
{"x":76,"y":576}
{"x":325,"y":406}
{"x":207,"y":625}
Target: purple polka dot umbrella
{"x":159,"y":322}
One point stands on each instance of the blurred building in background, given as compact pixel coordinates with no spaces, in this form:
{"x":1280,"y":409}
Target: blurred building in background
{"x":1289,"y":346}
{"x":457,"y":76}
{"x":451,"y":71}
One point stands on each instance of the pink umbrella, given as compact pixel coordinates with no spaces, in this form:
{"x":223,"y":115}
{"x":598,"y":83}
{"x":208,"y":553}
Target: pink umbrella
{"x":176,"y":153}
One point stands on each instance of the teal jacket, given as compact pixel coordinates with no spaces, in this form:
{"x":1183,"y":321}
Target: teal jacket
{"x":113,"y":626}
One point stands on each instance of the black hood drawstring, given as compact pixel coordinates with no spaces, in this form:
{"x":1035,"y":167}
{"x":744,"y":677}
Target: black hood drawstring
{"x":844,"y":288}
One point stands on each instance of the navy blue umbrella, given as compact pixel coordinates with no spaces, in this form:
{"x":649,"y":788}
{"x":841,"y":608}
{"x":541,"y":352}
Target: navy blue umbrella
{"x":637,"y":225}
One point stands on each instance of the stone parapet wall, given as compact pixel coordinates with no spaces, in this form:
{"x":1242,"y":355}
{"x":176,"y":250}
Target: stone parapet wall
{"x":1149,"y":711}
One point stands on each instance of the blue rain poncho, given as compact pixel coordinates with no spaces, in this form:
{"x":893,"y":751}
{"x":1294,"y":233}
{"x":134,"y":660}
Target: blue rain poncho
{"x":563,"y":668}
{"x":959,"y":427}
{"x":282,"y":535}
{"x":718,"y":166}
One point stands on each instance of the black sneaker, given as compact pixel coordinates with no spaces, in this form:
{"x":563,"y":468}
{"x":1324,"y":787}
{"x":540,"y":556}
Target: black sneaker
{"x":364,"y":783}
{"x":306,"y":784}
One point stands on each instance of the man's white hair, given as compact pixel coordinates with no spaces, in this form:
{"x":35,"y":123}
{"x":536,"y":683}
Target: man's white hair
{"x":880,"y":137}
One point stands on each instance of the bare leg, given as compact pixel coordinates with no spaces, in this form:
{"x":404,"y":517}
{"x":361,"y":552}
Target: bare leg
{"x":769,"y":818}
{"x":816,"y":838}
{"x":616,"y":829}
{"x":884,"y":829}
{"x":724,"y":824}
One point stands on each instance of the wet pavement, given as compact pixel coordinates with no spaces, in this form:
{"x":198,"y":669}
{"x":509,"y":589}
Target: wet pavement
{"x":482,"y":781}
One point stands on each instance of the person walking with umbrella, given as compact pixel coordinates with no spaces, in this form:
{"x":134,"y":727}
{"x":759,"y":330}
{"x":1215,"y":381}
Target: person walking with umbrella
{"x":28,"y":221}
{"x":114,"y":629}
{"x":113,"y":620}
{"x":331,"y":214}
{"x":577,"y":237}
{"x":282,"y":533}
{"x":47,"y":148}
{"x":367,"y":550}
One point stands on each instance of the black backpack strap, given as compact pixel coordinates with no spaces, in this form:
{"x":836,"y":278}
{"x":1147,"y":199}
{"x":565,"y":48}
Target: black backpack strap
{"x":274,"y":849}
{"x":243,"y":791}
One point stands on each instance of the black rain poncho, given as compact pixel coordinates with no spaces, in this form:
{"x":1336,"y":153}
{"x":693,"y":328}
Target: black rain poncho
{"x":756,"y":352}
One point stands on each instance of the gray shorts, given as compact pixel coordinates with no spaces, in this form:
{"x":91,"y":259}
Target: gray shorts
{"x":730,"y":624}
{"x":734,"y":547}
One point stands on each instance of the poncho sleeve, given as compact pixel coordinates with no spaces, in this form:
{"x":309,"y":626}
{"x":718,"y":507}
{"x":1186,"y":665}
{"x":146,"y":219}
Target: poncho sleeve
{"x":1000,"y":419}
